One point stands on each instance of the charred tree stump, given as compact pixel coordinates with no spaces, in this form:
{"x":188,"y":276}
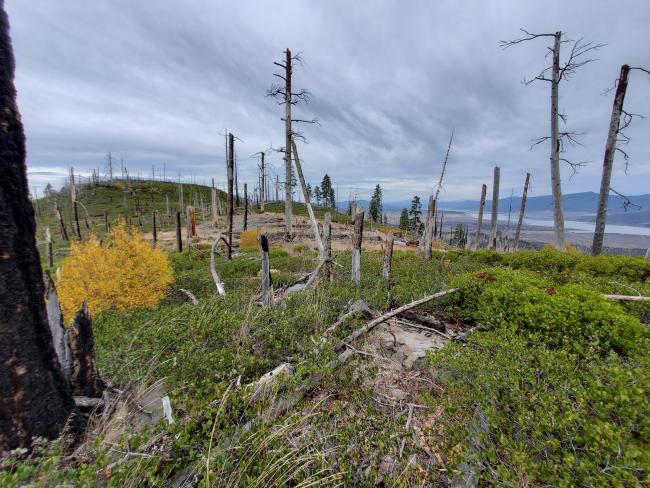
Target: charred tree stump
{"x":267,"y":290}
{"x":356,"y":246}
{"x":35,"y":399}
{"x":179,"y":234}
{"x":84,"y":378}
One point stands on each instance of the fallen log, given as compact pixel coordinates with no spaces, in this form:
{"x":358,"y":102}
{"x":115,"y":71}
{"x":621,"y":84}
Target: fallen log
{"x":423,"y":319}
{"x":626,"y":298}
{"x":359,"y":306}
{"x":190,"y":296}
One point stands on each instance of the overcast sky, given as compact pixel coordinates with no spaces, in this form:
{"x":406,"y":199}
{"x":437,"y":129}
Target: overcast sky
{"x":157,"y":82}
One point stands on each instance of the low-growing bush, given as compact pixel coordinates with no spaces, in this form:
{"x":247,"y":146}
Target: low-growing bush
{"x":123,"y":273}
{"x":248,"y":239}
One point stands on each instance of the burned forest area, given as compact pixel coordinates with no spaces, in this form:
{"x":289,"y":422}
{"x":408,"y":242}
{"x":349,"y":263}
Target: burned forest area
{"x":263,"y":317}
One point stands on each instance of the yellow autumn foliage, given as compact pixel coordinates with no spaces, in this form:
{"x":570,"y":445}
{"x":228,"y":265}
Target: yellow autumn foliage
{"x":123,"y":273}
{"x":248,"y":239}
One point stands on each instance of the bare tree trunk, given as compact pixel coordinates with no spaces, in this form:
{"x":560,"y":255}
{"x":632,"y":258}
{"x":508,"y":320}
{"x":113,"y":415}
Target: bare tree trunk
{"x":262,"y":184}
{"x":444,"y":166}
{"x":245,"y":206}
{"x":62,"y":229}
{"x":75,"y":212}
{"x":35,"y":399}
{"x":189,"y":210}
{"x":327,"y":244}
{"x":48,"y":247}
{"x":267,"y":290}
{"x":85,"y":379}
{"x":229,"y":212}
{"x":312,"y":217}
{"x":167,"y":206}
{"x":556,"y":183}
{"x":522,"y":210}
{"x":356,"y":246}
{"x":388,"y":257}
{"x":288,"y":213}
{"x":179,"y":236}
{"x":479,"y":224}
{"x":107,"y":227}
{"x":495,"y":208}
{"x":277,"y":188}
{"x":214,"y":204}
{"x":428,"y":228}
{"x":608,"y":162}
{"x":154,"y":230}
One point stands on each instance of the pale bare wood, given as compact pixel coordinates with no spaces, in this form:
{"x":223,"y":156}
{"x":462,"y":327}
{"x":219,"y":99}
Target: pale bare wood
{"x":213,"y":267}
{"x":189,"y":295}
{"x":388,"y":256}
{"x":522,"y":210}
{"x":495,"y":207}
{"x":356,"y":245}
{"x":627,"y":298}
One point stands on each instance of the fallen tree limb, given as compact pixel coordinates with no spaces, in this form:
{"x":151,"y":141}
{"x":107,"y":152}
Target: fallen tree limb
{"x":423,"y":319}
{"x":626,"y":298}
{"x":213,"y":268}
{"x":422,"y":327}
{"x":189,"y":295}
{"x":392,"y":313}
{"x":359,"y":306}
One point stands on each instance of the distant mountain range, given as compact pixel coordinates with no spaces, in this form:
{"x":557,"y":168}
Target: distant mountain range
{"x":577,"y":203}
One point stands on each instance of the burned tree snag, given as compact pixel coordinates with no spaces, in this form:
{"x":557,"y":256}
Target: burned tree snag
{"x":479,"y":224}
{"x":608,"y":161}
{"x":63,"y":231}
{"x":35,"y":399}
{"x":48,"y":247}
{"x":214,"y":204}
{"x":495,"y":208}
{"x":55,"y":320}
{"x":107,"y":225}
{"x":327,"y":245}
{"x":75,"y":213}
{"x":154,"y":229}
{"x":179,"y":234}
{"x":310,"y":211}
{"x":267,"y":290}
{"x":262,"y":183}
{"x":229,"y":211}
{"x":388,"y":257}
{"x":288,"y":211}
{"x":245,"y":206}
{"x":356,"y":246}
{"x":84,"y":378}
{"x":522,"y":210}
{"x":428,"y":228}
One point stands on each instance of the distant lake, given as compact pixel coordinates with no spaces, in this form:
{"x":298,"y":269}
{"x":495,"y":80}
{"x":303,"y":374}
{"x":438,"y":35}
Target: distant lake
{"x":573,"y":225}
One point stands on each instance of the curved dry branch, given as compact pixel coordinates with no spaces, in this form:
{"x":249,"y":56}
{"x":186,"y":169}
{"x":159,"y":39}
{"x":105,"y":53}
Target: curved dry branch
{"x":213,"y":267}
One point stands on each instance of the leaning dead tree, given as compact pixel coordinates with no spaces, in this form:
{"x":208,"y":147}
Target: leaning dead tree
{"x":444,"y":166}
{"x":555,"y":74}
{"x":522,"y":211}
{"x":35,"y":399}
{"x":284,"y":94}
{"x":479,"y":224}
{"x":614,"y":136}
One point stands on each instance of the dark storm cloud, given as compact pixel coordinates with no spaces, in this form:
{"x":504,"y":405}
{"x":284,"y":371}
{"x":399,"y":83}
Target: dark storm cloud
{"x":157,"y":82}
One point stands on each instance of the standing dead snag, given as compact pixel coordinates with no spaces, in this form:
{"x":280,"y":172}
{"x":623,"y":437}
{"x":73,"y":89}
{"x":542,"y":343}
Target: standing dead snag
{"x":288,"y":98}
{"x":388,"y":257}
{"x":495,"y":208}
{"x":214,"y":204}
{"x":327,"y":244}
{"x":522,"y":210}
{"x":356,"y":245}
{"x":559,"y":72}
{"x":245,"y":206}
{"x":615,"y":129}
{"x":267,"y":290}
{"x":263,"y":195}
{"x":154,"y":229}
{"x":310,"y":211}
{"x":48,"y":247}
{"x":444,"y":166}
{"x":59,"y":218}
{"x":35,"y":399}
{"x":179,"y":235}
{"x":479,"y":224}
{"x":428,"y":228}
{"x":229,"y":211}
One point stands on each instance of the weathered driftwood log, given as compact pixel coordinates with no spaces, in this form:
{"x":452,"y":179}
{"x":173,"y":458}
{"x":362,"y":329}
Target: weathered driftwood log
{"x":356,"y":245}
{"x":388,"y":256}
{"x":213,"y":267}
{"x":190,"y":296}
{"x":267,"y":290}
{"x":84,"y":378}
{"x":627,"y":298}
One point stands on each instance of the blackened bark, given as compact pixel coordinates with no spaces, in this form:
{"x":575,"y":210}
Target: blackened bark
{"x":85,"y":379}
{"x":35,"y":399}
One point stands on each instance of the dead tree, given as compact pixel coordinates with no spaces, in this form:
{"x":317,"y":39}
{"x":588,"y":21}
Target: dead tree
{"x":48,"y":247}
{"x":558,"y":72}
{"x":285,"y":95}
{"x":522,"y":210}
{"x":229,"y":212}
{"x":388,"y":257}
{"x":267,"y":290}
{"x":84,"y":379}
{"x":428,"y":228}
{"x":327,"y":244}
{"x":444,"y":167}
{"x":35,"y":399}
{"x":479,"y":224}
{"x":214,"y":204}
{"x":495,"y":208}
{"x":59,"y":218}
{"x":356,"y":246}
{"x":614,"y":136}
{"x":75,"y":208}
{"x":245,"y":206}
{"x":310,"y":211}
{"x":154,"y":229}
{"x":262,"y":182}
{"x":179,"y":234}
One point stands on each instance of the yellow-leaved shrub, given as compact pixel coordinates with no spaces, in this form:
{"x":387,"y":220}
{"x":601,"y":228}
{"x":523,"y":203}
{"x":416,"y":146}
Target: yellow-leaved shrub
{"x":248,"y":239}
{"x":123,"y":273}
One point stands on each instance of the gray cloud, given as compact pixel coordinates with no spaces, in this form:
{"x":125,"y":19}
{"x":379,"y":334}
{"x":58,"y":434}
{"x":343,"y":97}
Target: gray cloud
{"x":158,"y":82}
